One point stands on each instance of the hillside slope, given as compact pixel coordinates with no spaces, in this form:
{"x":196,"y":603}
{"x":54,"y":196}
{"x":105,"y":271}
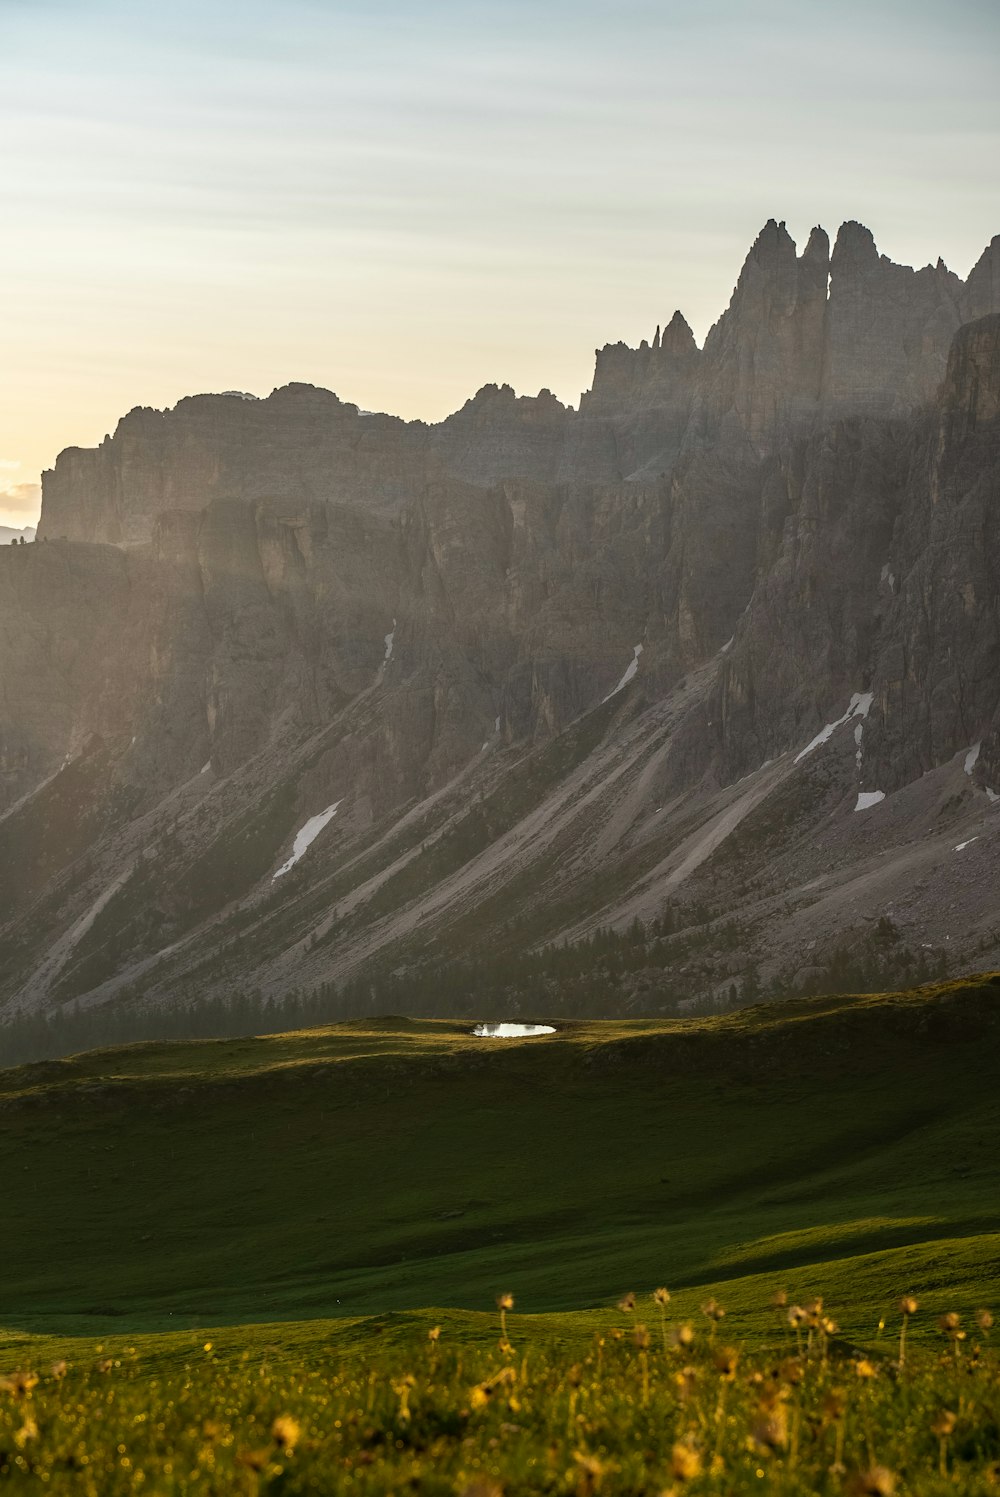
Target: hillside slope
{"x":394,"y":1164}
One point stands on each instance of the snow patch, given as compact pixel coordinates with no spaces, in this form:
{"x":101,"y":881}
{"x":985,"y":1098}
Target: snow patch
{"x":496,"y":730}
{"x":963,"y":845}
{"x":859,"y":733}
{"x":992,"y":796}
{"x":971,"y":757}
{"x":868,"y":798}
{"x":728,"y":645}
{"x":205,"y":767}
{"x":307,"y":835}
{"x":630,"y":671}
{"x":388,"y":644}
{"x":860,"y":706}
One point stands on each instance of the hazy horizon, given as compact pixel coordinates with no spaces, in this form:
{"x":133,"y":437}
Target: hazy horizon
{"x":403,"y":207}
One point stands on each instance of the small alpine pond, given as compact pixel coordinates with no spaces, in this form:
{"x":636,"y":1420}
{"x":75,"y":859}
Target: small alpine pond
{"x":511,"y":1031}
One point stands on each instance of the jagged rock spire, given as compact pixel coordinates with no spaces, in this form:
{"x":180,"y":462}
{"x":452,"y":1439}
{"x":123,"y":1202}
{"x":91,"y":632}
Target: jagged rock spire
{"x":855,"y":245}
{"x":677,"y":336}
{"x":879,"y":313}
{"x":981,"y":294}
{"x":817,"y":248}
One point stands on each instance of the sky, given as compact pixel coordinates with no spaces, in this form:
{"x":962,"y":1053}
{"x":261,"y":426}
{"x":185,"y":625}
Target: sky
{"x":405,"y":201}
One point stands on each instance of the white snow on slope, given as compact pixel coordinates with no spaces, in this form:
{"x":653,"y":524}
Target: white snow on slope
{"x":860,"y":706}
{"x":496,"y":730}
{"x":963,"y":845}
{"x":388,"y":644}
{"x":971,"y":757}
{"x":631,"y":669}
{"x":307,"y":835}
{"x":868,"y":798}
{"x":859,"y":733}
{"x":992,"y":796}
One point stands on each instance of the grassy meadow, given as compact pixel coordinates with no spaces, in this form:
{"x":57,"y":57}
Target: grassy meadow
{"x":314,"y":1228}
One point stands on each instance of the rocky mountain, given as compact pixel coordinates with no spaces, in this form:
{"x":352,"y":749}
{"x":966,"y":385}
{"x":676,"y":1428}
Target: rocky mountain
{"x":294,"y":695}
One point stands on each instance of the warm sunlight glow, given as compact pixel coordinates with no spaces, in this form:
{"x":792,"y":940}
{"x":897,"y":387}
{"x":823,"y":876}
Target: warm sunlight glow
{"x":403,"y":203}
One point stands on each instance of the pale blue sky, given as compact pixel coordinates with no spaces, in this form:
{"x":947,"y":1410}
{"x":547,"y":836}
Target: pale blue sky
{"x":403,"y":202}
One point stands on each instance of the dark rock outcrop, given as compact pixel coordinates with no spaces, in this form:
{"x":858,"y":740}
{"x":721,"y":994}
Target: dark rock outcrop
{"x":889,"y":329}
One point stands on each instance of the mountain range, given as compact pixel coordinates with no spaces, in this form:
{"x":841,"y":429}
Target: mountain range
{"x":299,"y":699}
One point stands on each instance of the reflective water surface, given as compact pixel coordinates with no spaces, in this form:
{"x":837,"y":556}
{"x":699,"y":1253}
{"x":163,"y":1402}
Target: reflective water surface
{"x":511,"y":1031}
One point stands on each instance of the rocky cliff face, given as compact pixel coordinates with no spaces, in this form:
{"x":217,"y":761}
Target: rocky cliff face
{"x":804,"y":339}
{"x":242,"y":612}
{"x":884,"y":581}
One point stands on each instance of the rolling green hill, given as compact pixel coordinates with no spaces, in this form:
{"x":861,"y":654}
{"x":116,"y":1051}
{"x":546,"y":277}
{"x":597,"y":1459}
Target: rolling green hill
{"x":390,"y":1165}
{"x":290,"y":1248}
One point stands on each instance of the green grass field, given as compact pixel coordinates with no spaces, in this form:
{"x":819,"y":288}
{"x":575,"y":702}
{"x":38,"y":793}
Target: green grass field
{"x":318,"y":1200}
